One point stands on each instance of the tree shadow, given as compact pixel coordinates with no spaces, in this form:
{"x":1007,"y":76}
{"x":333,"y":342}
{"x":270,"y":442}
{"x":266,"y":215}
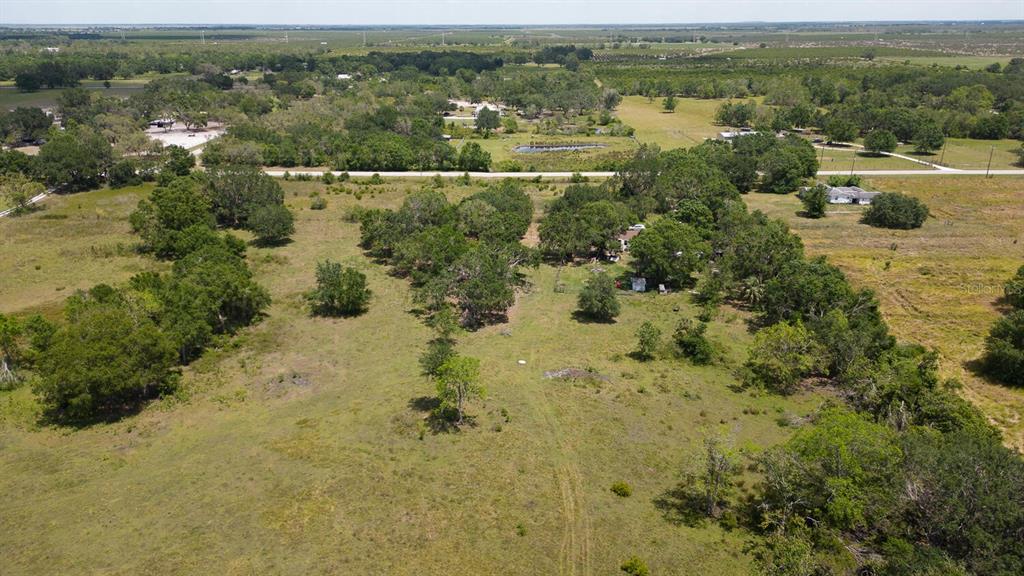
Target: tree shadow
{"x":681,"y":506}
{"x":271,"y":243}
{"x":440,"y":420}
{"x":583,"y":318}
{"x":56,"y":418}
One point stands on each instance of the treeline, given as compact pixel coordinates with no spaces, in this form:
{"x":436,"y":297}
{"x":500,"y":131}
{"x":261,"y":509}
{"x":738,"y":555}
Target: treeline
{"x":1004,"y":346}
{"x":900,"y":476}
{"x":468,"y":253}
{"x":120,"y":346}
{"x":32,"y":71}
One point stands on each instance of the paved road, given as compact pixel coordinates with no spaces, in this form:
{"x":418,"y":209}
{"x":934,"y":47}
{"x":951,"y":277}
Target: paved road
{"x":946,"y":172}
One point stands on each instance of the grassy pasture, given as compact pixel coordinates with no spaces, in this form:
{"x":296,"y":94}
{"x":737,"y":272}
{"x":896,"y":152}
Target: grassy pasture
{"x":972,"y":154}
{"x":690,"y":124}
{"x":938,"y":285}
{"x":838,"y":159}
{"x":72,"y":243}
{"x":11,"y":97}
{"x":501,"y":147}
{"x":299,"y":446}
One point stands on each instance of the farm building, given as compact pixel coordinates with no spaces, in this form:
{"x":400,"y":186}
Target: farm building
{"x":730,"y":135}
{"x":850,"y":195}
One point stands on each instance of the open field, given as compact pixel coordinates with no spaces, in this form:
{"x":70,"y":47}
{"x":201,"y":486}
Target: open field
{"x":690,"y":124}
{"x":938,"y":285}
{"x":11,"y":97}
{"x":972,"y":62}
{"x":40,"y":270}
{"x":832,"y":159}
{"x":970,"y":154}
{"x":500,"y":146}
{"x":300,"y":447}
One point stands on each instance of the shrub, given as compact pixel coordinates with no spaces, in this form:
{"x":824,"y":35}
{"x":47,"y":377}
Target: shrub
{"x":272,"y":224}
{"x":622,"y":489}
{"x":597,"y":300}
{"x":635,"y":567}
{"x":123,"y":174}
{"x":1004,"y":349}
{"x":895,"y":210}
{"x":692,"y":343}
{"x":318,"y":203}
{"x":844,"y":180}
{"x":648,"y":339}
{"x":339,"y":291}
{"x":815,"y":200}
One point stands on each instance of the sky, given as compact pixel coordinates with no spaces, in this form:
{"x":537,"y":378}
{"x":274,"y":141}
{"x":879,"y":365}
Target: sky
{"x":495,"y":12}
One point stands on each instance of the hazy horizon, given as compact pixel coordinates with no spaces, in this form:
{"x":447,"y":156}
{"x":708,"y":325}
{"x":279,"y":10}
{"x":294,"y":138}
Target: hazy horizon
{"x":493,"y":12}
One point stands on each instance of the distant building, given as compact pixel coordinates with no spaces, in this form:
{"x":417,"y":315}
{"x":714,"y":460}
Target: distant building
{"x":730,"y":134}
{"x":850,"y":195}
{"x":344,"y":76}
{"x":161,"y":123}
{"x":625,"y":237}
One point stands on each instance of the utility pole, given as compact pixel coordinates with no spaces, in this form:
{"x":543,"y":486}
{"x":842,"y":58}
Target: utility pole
{"x":202,"y":36}
{"x":991,"y":151}
{"x":943,"y":155}
{"x":854,"y":163}
{"x":364,"y":38}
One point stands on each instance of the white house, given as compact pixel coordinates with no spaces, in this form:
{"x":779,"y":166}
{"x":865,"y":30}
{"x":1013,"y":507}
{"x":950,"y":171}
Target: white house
{"x":850,"y":195}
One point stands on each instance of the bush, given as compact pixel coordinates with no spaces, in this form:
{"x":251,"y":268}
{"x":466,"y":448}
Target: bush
{"x":272,"y":224}
{"x":622,"y":489}
{"x":815,"y":200}
{"x":692,"y":343}
{"x":895,"y":210}
{"x":597,"y":300}
{"x":123,"y":174}
{"x":844,"y":180}
{"x":318,"y":203}
{"x":339,"y":291}
{"x":1004,"y":349}
{"x":635,"y":567}
{"x":648,"y":339}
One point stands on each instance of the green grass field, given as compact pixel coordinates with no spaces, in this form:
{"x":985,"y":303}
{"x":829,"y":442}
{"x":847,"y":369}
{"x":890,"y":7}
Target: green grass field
{"x":938,"y":285}
{"x":972,"y":154}
{"x":501,"y":147}
{"x":11,"y":97}
{"x":297,"y":447}
{"x":690,"y":124}
{"x":833,"y":159}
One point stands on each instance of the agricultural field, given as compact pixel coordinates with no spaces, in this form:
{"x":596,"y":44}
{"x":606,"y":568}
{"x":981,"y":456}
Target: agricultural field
{"x":939,"y":285}
{"x":299,"y":423}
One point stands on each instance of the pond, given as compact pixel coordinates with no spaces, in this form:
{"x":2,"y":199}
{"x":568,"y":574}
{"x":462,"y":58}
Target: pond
{"x":538,"y":148}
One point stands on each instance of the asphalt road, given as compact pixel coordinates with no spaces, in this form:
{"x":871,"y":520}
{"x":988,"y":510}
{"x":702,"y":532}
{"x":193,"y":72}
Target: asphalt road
{"x":361,"y":174}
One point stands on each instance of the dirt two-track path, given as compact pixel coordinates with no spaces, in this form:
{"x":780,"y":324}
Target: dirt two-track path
{"x":574,"y":557}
